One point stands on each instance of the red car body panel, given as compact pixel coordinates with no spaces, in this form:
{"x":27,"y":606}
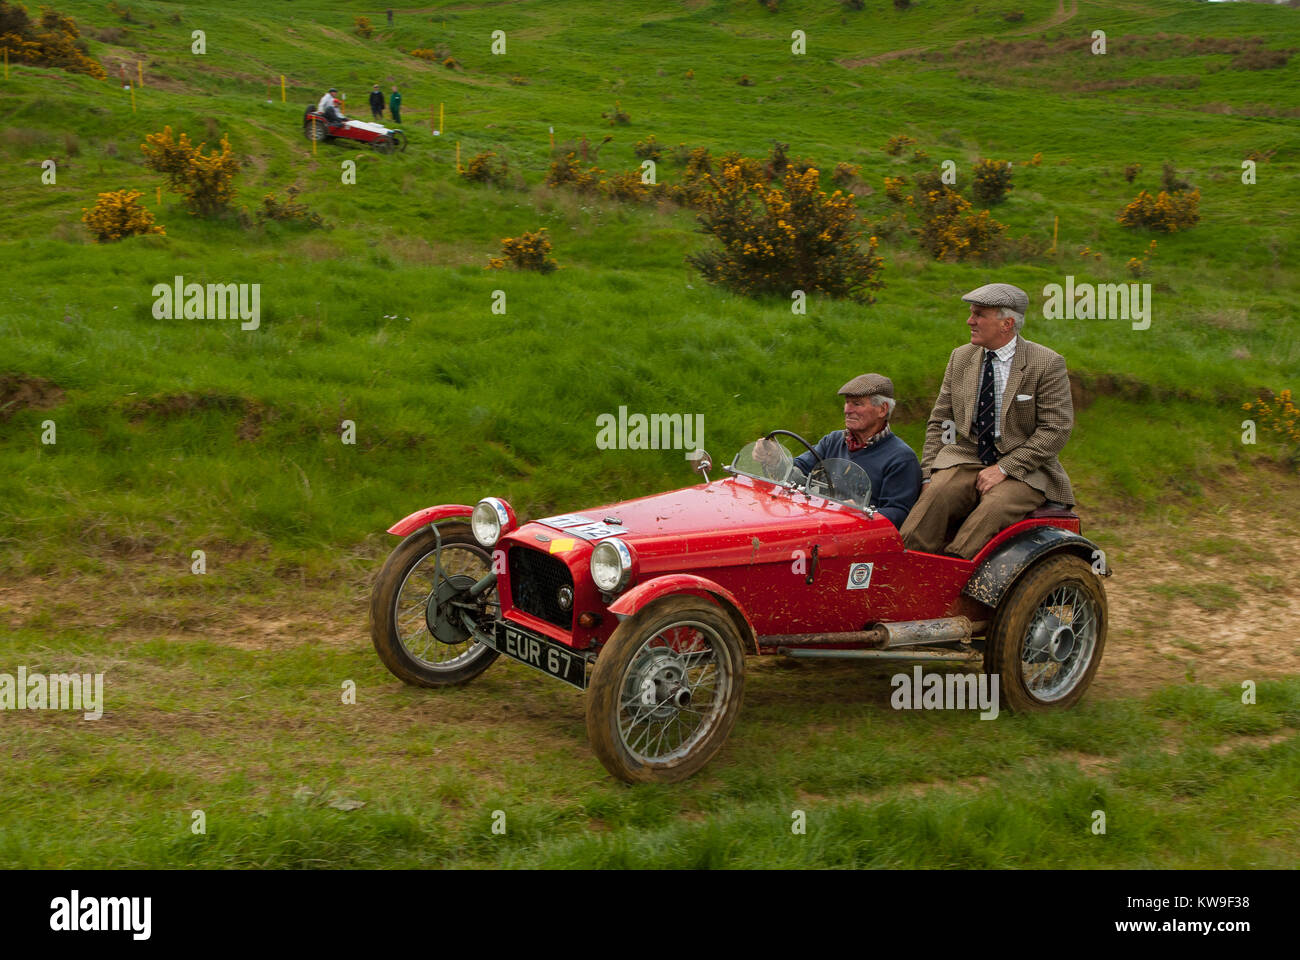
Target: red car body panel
{"x":412,"y":522}
{"x":342,"y":130}
{"x":647,"y":592}
{"x":744,"y":543}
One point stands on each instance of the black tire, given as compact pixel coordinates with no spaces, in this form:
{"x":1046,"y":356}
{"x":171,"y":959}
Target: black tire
{"x":314,"y":130}
{"x":1047,"y":636}
{"x":411,"y":565}
{"x":655,"y":654}
{"x":384,"y":145}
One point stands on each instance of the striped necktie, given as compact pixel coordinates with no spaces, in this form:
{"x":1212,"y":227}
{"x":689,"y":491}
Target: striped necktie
{"x":982,"y":427}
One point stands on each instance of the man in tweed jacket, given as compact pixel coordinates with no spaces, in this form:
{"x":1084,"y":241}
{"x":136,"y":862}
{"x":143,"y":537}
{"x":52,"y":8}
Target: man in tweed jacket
{"x":1005,"y":407}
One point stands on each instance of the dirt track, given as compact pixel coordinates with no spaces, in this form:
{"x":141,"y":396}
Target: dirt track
{"x":1216,"y":597}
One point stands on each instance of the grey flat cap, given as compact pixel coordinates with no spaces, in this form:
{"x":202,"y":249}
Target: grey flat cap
{"x":867,"y":385}
{"x":999,"y":295}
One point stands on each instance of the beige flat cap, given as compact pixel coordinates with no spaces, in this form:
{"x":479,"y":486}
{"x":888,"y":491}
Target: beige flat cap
{"x":999,"y":295}
{"x":867,"y":385}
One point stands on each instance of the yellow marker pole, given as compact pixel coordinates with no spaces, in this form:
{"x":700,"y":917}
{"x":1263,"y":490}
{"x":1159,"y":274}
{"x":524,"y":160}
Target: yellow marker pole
{"x":159,"y":189}
{"x":139,"y":66}
{"x":313,"y":136}
{"x":282,"y":100}
{"x":458,"y":156}
{"x":441,"y":121}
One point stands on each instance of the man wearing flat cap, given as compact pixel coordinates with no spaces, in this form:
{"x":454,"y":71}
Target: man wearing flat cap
{"x":866,"y":440}
{"x":1005,"y":407}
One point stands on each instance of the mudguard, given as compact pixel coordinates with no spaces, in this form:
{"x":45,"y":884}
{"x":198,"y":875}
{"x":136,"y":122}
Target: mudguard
{"x":673,"y":584}
{"x":995,"y":575}
{"x":414,"y":521}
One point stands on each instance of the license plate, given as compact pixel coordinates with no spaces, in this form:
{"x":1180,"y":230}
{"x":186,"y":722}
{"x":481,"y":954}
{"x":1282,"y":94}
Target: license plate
{"x":545,"y":655}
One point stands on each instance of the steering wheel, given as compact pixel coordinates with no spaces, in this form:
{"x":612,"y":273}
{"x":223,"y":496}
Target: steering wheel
{"x":789,"y":433}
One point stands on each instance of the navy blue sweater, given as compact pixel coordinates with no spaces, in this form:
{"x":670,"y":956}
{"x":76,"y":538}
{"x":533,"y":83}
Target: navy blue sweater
{"x":892,"y":467}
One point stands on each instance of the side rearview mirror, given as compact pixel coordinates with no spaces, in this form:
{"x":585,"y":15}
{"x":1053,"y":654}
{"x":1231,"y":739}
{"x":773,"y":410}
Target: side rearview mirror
{"x":700,"y":462}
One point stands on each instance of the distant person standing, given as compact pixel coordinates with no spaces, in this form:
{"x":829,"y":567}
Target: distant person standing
{"x":377,"y":103}
{"x":395,"y":105}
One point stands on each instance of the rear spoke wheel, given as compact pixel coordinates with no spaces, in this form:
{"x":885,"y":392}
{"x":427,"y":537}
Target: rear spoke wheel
{"x":1048,"y":635}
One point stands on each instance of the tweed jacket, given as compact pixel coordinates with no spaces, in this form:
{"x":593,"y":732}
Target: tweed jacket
{"x":1037,"y":417}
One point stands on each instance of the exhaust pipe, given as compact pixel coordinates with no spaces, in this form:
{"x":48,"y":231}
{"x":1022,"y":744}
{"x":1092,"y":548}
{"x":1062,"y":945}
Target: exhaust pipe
{"x":920,"y":633}
{"x":886,"y":636}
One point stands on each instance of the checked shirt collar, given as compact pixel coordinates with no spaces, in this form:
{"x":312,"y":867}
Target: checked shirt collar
{"x":1006,"y":351}
{"x":854,"y":446}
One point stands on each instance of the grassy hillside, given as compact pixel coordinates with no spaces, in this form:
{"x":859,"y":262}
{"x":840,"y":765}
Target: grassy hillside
{"x":386,"y":319}
{"x":177,"y":435}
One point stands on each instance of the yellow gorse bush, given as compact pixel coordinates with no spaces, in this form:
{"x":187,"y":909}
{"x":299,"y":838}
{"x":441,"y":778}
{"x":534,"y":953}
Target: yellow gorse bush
{"x":992,"y":181}
{"x":529,"y":251}
{"x":289,"y":210}
{"x":565,"y":171}
{"x":780,"y":237}
{"x":53,"y":41}
{"x":626,"y":186}
{"x":116,"y":214}
{"x":950,"y":229}
{"x":1277,"y":413}
{"x":205,"y":182}
{"x":896,"y":144}
{"x":1168,"y":212}
{"x":487,"y":167}
{"x":649,"y":148}
{"x":845,"y":174}
{"x":1137,"y":265}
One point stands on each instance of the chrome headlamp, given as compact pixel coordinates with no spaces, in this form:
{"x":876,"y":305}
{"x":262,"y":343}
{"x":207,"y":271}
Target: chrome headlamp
{"x":490,"y":519}
{"x":611,"y":565}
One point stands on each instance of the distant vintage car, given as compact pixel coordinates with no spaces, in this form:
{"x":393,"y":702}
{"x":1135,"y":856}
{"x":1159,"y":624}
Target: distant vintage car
{"x":383,"y":139}
{"x":651,"y":605}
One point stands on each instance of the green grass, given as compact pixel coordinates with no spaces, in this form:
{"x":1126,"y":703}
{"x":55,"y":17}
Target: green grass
{"x":177,"y":435}
{"x":263,"y":745}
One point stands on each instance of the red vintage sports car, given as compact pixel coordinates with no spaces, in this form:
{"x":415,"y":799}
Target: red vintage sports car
{"x":383,"y":139}
{"x":651,"y":605}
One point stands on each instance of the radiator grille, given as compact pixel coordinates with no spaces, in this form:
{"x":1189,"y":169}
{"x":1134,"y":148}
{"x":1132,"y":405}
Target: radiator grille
{"x":535,"y":581}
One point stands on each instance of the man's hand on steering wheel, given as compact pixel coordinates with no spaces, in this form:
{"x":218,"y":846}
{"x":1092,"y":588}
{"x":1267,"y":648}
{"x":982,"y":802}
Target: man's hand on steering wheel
{"x":767,"y":452}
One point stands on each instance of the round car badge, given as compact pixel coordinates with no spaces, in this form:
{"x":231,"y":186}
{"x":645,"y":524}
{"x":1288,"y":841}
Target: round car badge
{"x":565,"y":597}
{"x":859,"y":576}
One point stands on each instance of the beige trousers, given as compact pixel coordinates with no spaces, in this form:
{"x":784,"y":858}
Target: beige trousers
{"x":950,"y":494}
